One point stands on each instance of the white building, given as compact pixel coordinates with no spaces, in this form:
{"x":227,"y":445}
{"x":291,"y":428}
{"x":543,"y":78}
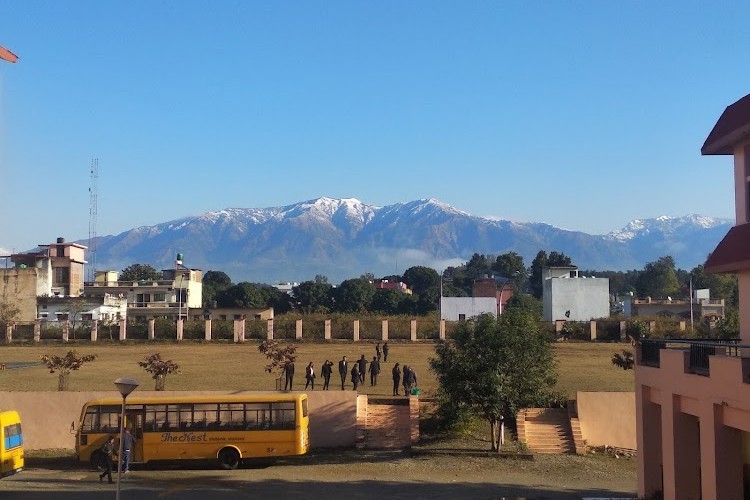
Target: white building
{"x":102,"y":308}
{"x":568,"y":296}
{"x":463,"y":308}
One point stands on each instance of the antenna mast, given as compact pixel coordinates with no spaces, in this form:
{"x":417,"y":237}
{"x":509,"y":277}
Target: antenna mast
{"x":92,"y":218}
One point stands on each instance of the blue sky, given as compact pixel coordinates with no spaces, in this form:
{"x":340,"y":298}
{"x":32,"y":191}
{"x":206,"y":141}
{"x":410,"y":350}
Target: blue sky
{"x":584,"y":115}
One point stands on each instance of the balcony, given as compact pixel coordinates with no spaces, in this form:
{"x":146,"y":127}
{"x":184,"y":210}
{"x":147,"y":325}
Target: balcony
{"x":698,"y":352}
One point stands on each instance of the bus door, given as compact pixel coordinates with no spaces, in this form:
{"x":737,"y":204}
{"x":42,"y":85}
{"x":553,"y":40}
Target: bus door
{"x":134,"y":420}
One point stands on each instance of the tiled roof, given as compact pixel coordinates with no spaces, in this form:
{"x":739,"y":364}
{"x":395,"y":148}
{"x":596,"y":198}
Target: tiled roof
{"x":733,"y":127}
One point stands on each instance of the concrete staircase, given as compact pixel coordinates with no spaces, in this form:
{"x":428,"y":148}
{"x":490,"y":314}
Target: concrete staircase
{"x":546,"y":430}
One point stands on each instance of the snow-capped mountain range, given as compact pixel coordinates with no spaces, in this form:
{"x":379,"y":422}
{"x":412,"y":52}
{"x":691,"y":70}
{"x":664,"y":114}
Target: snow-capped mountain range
{"x":344,"y":238}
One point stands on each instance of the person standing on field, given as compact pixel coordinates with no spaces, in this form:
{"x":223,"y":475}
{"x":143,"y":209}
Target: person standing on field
{"x":396,"y":379}
{"x":374,"y":371}
{"x":362,"y":369}
{"x":310,"y":376}
{"x":343,"y":371}
{"x":128,"y":442}
{"x":385,"y":352}
{"x":405,"y":380}
{"x":378,"y":351}
{"x":325,"y":372}
{"x":355,"y":376}
{"x":288,"y":375}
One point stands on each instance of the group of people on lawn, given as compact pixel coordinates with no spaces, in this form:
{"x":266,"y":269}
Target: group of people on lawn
{"x":357,"y":372}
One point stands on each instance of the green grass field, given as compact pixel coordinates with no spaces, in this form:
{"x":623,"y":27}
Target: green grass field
{"x":204,"y":366}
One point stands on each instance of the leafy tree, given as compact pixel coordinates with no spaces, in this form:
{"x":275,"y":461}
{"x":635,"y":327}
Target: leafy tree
{"x":624,"y":360}
{"x":74,"y":308}
{"x":242,"y":295}
{"x":428,"y":301}
{"x":320,"y":278}
{"x":728,"y":327}
{"x":277,"y":356}
{"x":420,"y":278}
{"x":214,"y":282}
{"x":159,"y":369}
{"x":64,"y":365}
{"x":511,"y":266}
{"x":494,"y":367}
{"x":558,"y":259}
{"x":280,"y":301}
{"x":659,"y":279}
{"x":140,"y":272}
{"x":722,"y":286}
{"x":386,"y":301}
{"x":9,"y":313}
{"x":527,"y":303}
{"x":313,"y":296}
{"x":535,"y":274}
{"x":354,"y":296}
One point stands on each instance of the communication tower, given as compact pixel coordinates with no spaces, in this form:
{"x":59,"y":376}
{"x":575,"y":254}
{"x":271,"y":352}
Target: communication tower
{"x":92,"y":218}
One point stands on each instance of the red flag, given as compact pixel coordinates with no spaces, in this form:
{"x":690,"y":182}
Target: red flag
{"x":7,"y":55}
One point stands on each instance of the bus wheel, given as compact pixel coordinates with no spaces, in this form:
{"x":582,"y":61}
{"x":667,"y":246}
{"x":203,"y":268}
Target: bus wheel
{"x":99,"y":461}
{"x":229,"y":458}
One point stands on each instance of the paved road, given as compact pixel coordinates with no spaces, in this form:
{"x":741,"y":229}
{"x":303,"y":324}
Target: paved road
{"x":329,"y":476}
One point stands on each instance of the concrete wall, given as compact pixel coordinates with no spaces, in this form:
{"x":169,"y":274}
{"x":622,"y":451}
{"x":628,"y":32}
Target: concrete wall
{"x":451,"y":307}
{"x":585,"y":298}
{"x":607,"y":418}
{"x":47,"y":416}
{"x":19,"y":287}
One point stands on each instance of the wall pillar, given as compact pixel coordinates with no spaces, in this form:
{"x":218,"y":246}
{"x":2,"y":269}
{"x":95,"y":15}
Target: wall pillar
{"x":648,"y":424}
{"x":721,"y":455}
{"x":355,"y":335}
{"x":298,"y":329}
{"x":9,"y":334}
{"x":559,"y":324}
{"x":269,"y":329}
{"x":651,"y":326}
{"x":683,"y":325}
{"x":243,"y":324}
{"x":384,"y":330}
{"x":413,"y":330}
{"x":327,"y":329}
{"x":593,"y":329}
{"x":207,"y":329}
{"x":65,"y":330}
{"x":180,"y":328}
{"x":238,"y":328}
{"x":123,"y":329}
{"x":441,"y":330}
{"x":94,"y":330}
{"x":37,"y":330}
{"x":623,"y":331}
{"x":151,"y":328}
{"x":681,"y":446}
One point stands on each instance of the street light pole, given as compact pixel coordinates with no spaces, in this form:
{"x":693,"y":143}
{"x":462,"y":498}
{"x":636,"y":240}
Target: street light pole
{"x":125,"y":386}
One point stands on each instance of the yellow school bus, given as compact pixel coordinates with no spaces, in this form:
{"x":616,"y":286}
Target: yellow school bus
{"x":198,"y":427}
{"x":11,"y":443}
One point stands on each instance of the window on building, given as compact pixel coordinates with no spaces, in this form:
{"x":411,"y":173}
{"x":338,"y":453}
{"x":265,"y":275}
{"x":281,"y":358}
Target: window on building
{"x":160,"y":297}
{"x":461,"y":317}
{"x":62,"y":275}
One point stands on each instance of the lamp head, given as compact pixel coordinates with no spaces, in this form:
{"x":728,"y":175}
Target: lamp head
{"x":126,"y":385}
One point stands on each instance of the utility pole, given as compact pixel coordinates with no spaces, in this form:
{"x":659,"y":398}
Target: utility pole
{"x":93,"y":199}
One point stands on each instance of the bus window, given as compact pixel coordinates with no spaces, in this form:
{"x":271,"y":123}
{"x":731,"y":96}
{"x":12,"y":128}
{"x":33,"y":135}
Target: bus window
{"x":304,"y":407}
{"x":205,"y":415}
{"x":282,"y":416}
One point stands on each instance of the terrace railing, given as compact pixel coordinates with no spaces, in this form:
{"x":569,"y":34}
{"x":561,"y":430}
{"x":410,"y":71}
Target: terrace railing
{"x":700,"y":351}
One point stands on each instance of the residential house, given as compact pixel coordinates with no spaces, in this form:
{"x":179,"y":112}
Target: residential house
{"x":566,"y":295}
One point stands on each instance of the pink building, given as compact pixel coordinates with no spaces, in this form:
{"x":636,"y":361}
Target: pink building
{"x":693,"y":398}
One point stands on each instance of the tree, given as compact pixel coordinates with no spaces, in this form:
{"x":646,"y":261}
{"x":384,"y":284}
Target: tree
{"x":659,"y":279}
{"x":511,"y":266}
{"x":535,"y":274}
{"x":9,"y":313}
{"x":386,"y":301}
{"x":214,"y":282}
{"x":278,"y":356}
{"x":74,"y":308}
{"x":494,"y":367}
{"x":159,"y":369}
{"x":354,"y":296}
{"x":525,"y":302}
{"x":242,"y":295}
{"x":420,"y":278}
{"x":313,"y":296}
{"x":728,"y":327}
{"x":624,"y":360}
{"x":140,"y":272}
{"x":70,"y":362}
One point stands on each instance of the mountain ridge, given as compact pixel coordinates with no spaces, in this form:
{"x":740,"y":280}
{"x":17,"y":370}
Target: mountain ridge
{"x":344,"y":238}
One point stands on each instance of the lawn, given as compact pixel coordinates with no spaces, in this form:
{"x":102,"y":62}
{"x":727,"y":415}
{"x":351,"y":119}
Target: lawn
{"x":224,"y":366}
